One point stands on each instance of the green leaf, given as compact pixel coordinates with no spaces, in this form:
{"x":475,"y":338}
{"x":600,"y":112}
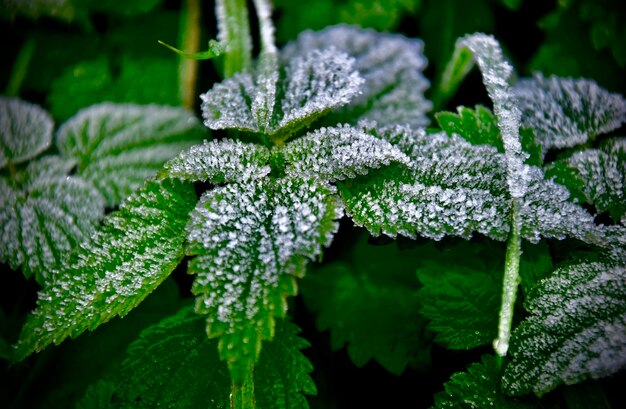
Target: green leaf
{"x":338,"y":153}
{"x":34,"y":9}
{"x":118,"y":146}
{"x":226,"y":160}
{"x":42,"y":220}
{"x":565,"y":112}
{"x":124,"y":261}
{"x":146,"y":380}
{"x":98,"y":396}
{"x":252,"y":241}
{"x":535,"y":264}
{"x":461,"y":293}
{"x":369,"y":303}
{"x":478,"y":387}
{"x":596,"y":176}
{"x":25,"y":131}
{"x":391,"y":65}
{"x":575,"y":330}
{"x":214,"y":50}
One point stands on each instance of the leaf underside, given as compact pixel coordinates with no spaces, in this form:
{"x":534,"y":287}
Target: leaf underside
{"x":126,"y":259}
{"x":576,"y":329}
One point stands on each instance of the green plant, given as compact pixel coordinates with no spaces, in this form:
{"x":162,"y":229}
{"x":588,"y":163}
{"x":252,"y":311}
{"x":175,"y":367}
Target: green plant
{"x":335,"y":122}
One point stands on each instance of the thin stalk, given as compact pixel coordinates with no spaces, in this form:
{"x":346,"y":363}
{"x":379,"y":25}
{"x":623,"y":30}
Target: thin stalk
{"x":189,"y":40}
{"x":242,"y":395}
{"x":20,"y":68}
{"x":234,"y":34}
{"x":510,"y":283}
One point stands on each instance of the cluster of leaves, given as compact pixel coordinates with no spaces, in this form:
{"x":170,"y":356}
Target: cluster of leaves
{"x":333,"y":123}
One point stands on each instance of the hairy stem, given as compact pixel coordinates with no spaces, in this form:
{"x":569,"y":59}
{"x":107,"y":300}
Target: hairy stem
{"x":20,"y":68}
{"x":509,"y":284}
{"x":189,"y":40}
{"x":234,"y":34}
{"x":242,"y":395}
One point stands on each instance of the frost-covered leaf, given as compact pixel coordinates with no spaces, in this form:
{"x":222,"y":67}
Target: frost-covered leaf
{"x":338,"y":153}
{"x":369,"y":304}
{"x":226,"y":160}
{"x":43,"y":218}
{"x":478,"y":388}
{"x":565,"y":112}
{"x":391,"y":65}
{"x":146,"y":379}
{"x":455,"y":188}
{"x":25,"y":131}
{"x":461,"y":293}
{"x":313,"y":84}
{"x":252,"y":240}
{"x":118,"y":146}
{"x":124,"y":261}
{"x":597,"y":176}
{"x":576,"y":329}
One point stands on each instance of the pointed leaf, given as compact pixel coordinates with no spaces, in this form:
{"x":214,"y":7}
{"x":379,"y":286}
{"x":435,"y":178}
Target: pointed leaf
{"x":565,"y":112}
{"x":124,"y":261}
{"x":369,"y":304}
{"x":576,"y":330}
{"x":118,"y":146}
{"x":478,"y":387}
{"x":338,"y":153}
{"x":45,"y":217}
{"x":228,"y":105}
{"x":252,"y":240}
{"x":393,"y":92}
{"x":226,"y":160}
{"x":25,"y":131}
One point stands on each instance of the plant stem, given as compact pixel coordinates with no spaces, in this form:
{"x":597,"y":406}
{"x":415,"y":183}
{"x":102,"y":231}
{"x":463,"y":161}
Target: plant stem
{"x":189,"y":40}
{"x":234,"y":34}
{"x":510,"y":283}
{"x":20,"y":68}
{"x":242,"y":395}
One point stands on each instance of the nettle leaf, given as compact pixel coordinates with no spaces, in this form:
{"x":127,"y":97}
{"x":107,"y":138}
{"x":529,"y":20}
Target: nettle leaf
{"x":252,"y":240}
{"x":461,"y":293}
{"x":576,"y":329}
{"x":596,"y":176}
{"x":118,"y":146}
{"x":369,"y":303}
{"x":281,"y":376}
{"x":565,"y":112}
{"x":391,"y":65}
{"x":313,"y":85}
{"x":25,"y":131}
{"x":126,"y":259}
{"x":338,"y":153}
{"x":226,"y":160}
{"x":478,"y":387}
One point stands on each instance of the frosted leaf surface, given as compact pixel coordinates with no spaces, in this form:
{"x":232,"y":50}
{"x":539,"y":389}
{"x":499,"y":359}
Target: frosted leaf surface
{"x":338,"y":153}
{"x":391,"y":65}
{"x":41,"y":221}
{"x":576,"y":329}
{"x":226,"y":160}
{"x":25,"y":131}
{"x":313,"y":84}
{"x":496,"y":73}
{"x":126,"y":259}
{"x":565,"y":112}
{"x":455,"y":188}
{"x":118,"y":146}
{"x":252,"y":240}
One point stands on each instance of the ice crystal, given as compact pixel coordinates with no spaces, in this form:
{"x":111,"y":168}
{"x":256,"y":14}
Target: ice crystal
{"x":391,"y":65}
{"x":338,"y":153}
{"x":252,"y":240}
{"x":125,"y":260}
{"x":118,"y":146}
{"x":220,"y":161}
{"x":565,"y":112}
{"x":576,"y":330}
{"x":25,"y":131}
